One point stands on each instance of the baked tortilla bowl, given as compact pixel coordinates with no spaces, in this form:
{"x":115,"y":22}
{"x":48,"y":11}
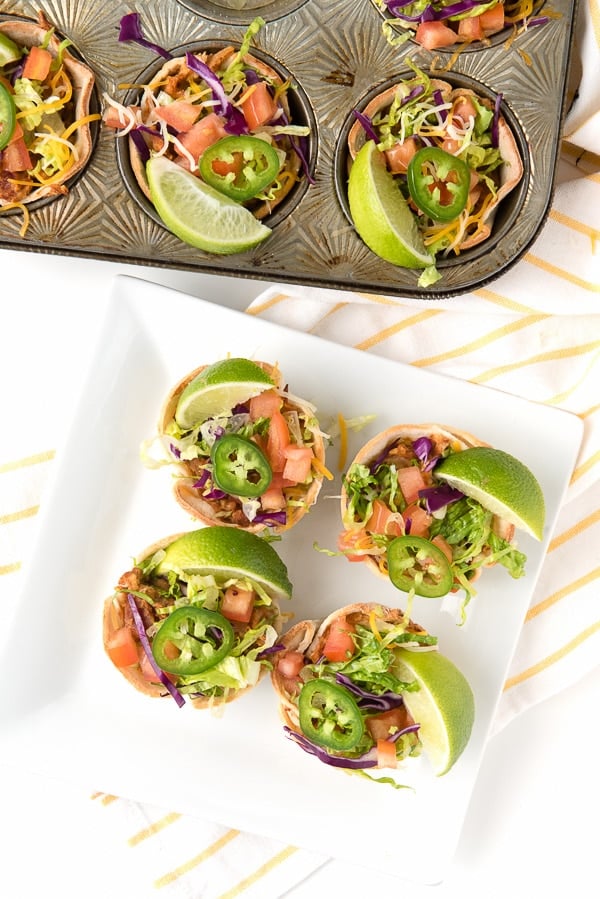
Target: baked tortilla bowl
{"x":378,"y":448}
{"x":210,"y":512}
{"x":295,"y":102}
{"x":118,"y":617}
{"x":27,"y":33}
{"x":308,"y":637}
{"x":500,"y":218}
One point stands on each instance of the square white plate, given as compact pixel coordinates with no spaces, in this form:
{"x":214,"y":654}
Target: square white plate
{"x":69,"y":713}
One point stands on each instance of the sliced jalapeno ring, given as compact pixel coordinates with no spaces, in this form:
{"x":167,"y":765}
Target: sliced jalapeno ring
{"x":8,"y":117}
{"x":240,"y":466}
{"x":239,"y":166}
{"x":438,"y":183}
{"x":191,"y":640}
{"x":417,"y":564}
{"x":330,"y":716}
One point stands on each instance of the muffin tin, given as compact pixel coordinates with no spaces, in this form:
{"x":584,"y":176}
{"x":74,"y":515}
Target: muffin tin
{"x":338,"y":57}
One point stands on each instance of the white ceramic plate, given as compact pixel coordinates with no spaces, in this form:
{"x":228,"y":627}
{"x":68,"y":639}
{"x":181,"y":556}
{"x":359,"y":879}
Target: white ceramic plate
{"x":69,"y":713}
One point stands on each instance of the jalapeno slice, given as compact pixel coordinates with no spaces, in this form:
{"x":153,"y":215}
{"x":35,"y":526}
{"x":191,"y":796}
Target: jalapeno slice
{"x":240,"y":466}
{"x":191,"y":640}
{"x":330,"y":716}
{"x":438,"y":183}
{"x":417,"y":564}
{"x":7,"y":116}
{"x":239,"y":166}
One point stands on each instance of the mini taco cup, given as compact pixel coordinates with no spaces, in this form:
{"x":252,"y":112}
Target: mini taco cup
{"x":368,"y":540}
{"x":27,"y":34}
{"x":195,"y":494}
{"x":173,"y":76}
{"x":355,"y":709}
{"x":508,"y":175}
{"x":153,"y":591}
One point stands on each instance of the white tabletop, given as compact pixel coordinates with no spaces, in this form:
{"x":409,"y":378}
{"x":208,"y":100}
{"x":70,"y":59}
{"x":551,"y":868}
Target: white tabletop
{"x":531,"y":828}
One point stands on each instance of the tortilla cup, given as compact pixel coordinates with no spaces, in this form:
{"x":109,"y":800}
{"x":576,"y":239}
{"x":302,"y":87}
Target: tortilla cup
{"x":116,"y":615}
{"x":176,"y":69}
{"x":442,"y":437}
{"x":308,"y":637}
{"x":510,"y":172}
{"x":31,"y":34}
{"x":207,"y":511}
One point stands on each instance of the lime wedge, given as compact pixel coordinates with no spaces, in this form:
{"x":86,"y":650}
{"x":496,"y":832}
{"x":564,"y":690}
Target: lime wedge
{"x":443,"y":706}
{"x":198,"y":214}
{"x":380,"y":213}
{"x":218,"y":389}
{"x":228,"y":552}
{"x":501,"y":483}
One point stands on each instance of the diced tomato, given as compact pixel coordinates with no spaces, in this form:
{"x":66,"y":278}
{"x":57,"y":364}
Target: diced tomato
{"x":443,"y":544}
{"x":432,"y":35}
{"x":492,"y":20}
{"x":265,"y":404}
{"x":279,"y":481}
{"x":277,"y":440}
{"x":37,"y":64}
{"x":451,"y":145}
{"x":383,"y":521}
{"x":290,"y":664}
{"x":400,"y":154}
{"x":203,"y":133}
{"x":148,"y":672}
{"x":339,"y":645}
{"x":122,"y":648}
{"x":470,"y":29}
{"x":386,"y":754}
{"x":237,"y":604}
{"x":15,"y":157}
{"x":258,"y":106}
{"x":387,"y":723}
{"x":348,"y":540}
{"x":420,"y":520}
{"x":410,"y":481}
{"x":298,"y":461}
{"x":273,"y":500}
{"x":180,"y":114}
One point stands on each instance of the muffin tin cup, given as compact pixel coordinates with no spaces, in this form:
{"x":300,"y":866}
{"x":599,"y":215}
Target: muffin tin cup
{"x":300,"y":108}
{"x":94,"y":130}
{"x":509,"y":208}
{"x":494,"y":41}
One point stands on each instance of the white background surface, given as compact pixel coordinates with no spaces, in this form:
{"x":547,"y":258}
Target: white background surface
{"x":531,"y":828}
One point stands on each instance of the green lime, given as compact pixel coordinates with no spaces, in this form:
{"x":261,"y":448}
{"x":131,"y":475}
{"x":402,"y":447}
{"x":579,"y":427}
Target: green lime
{"x":9,"y":52}
{"x":380,"y":213}
{"x":228,"y":552}
{"x":218,"y":389}
{"x":443,"y":706}
{"x":501,"y":483}
{"x":198,"y":214}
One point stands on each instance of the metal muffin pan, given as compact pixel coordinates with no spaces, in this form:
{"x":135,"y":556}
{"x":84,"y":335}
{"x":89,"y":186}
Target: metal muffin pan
{"x":337,"y":55}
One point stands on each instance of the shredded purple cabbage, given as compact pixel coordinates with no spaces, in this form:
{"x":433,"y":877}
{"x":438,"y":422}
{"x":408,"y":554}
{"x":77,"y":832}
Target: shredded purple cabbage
{"x":368,"y":760}
{"x":410,"y":729}
{"x":131,"y":30}
{"x":367,"y":700}
{"x":365,"y":121}
{"x":270,"y":650}
{"x":141,"y":630}
{"x":140,"y":144}
{"x":235,"y":121}
{"x":273,"y":517}
{"x":176,"y":452}
{"x":439,"y":497}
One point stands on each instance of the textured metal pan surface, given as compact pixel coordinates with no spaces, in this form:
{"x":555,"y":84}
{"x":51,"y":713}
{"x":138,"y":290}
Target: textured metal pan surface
{"x":337,"y":54}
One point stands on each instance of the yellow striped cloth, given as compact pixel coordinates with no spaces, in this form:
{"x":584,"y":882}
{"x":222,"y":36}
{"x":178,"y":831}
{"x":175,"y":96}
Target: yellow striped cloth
{"x":534,"y":332}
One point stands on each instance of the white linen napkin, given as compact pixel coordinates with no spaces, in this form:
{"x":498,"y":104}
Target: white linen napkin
{"x":534,"y":332}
